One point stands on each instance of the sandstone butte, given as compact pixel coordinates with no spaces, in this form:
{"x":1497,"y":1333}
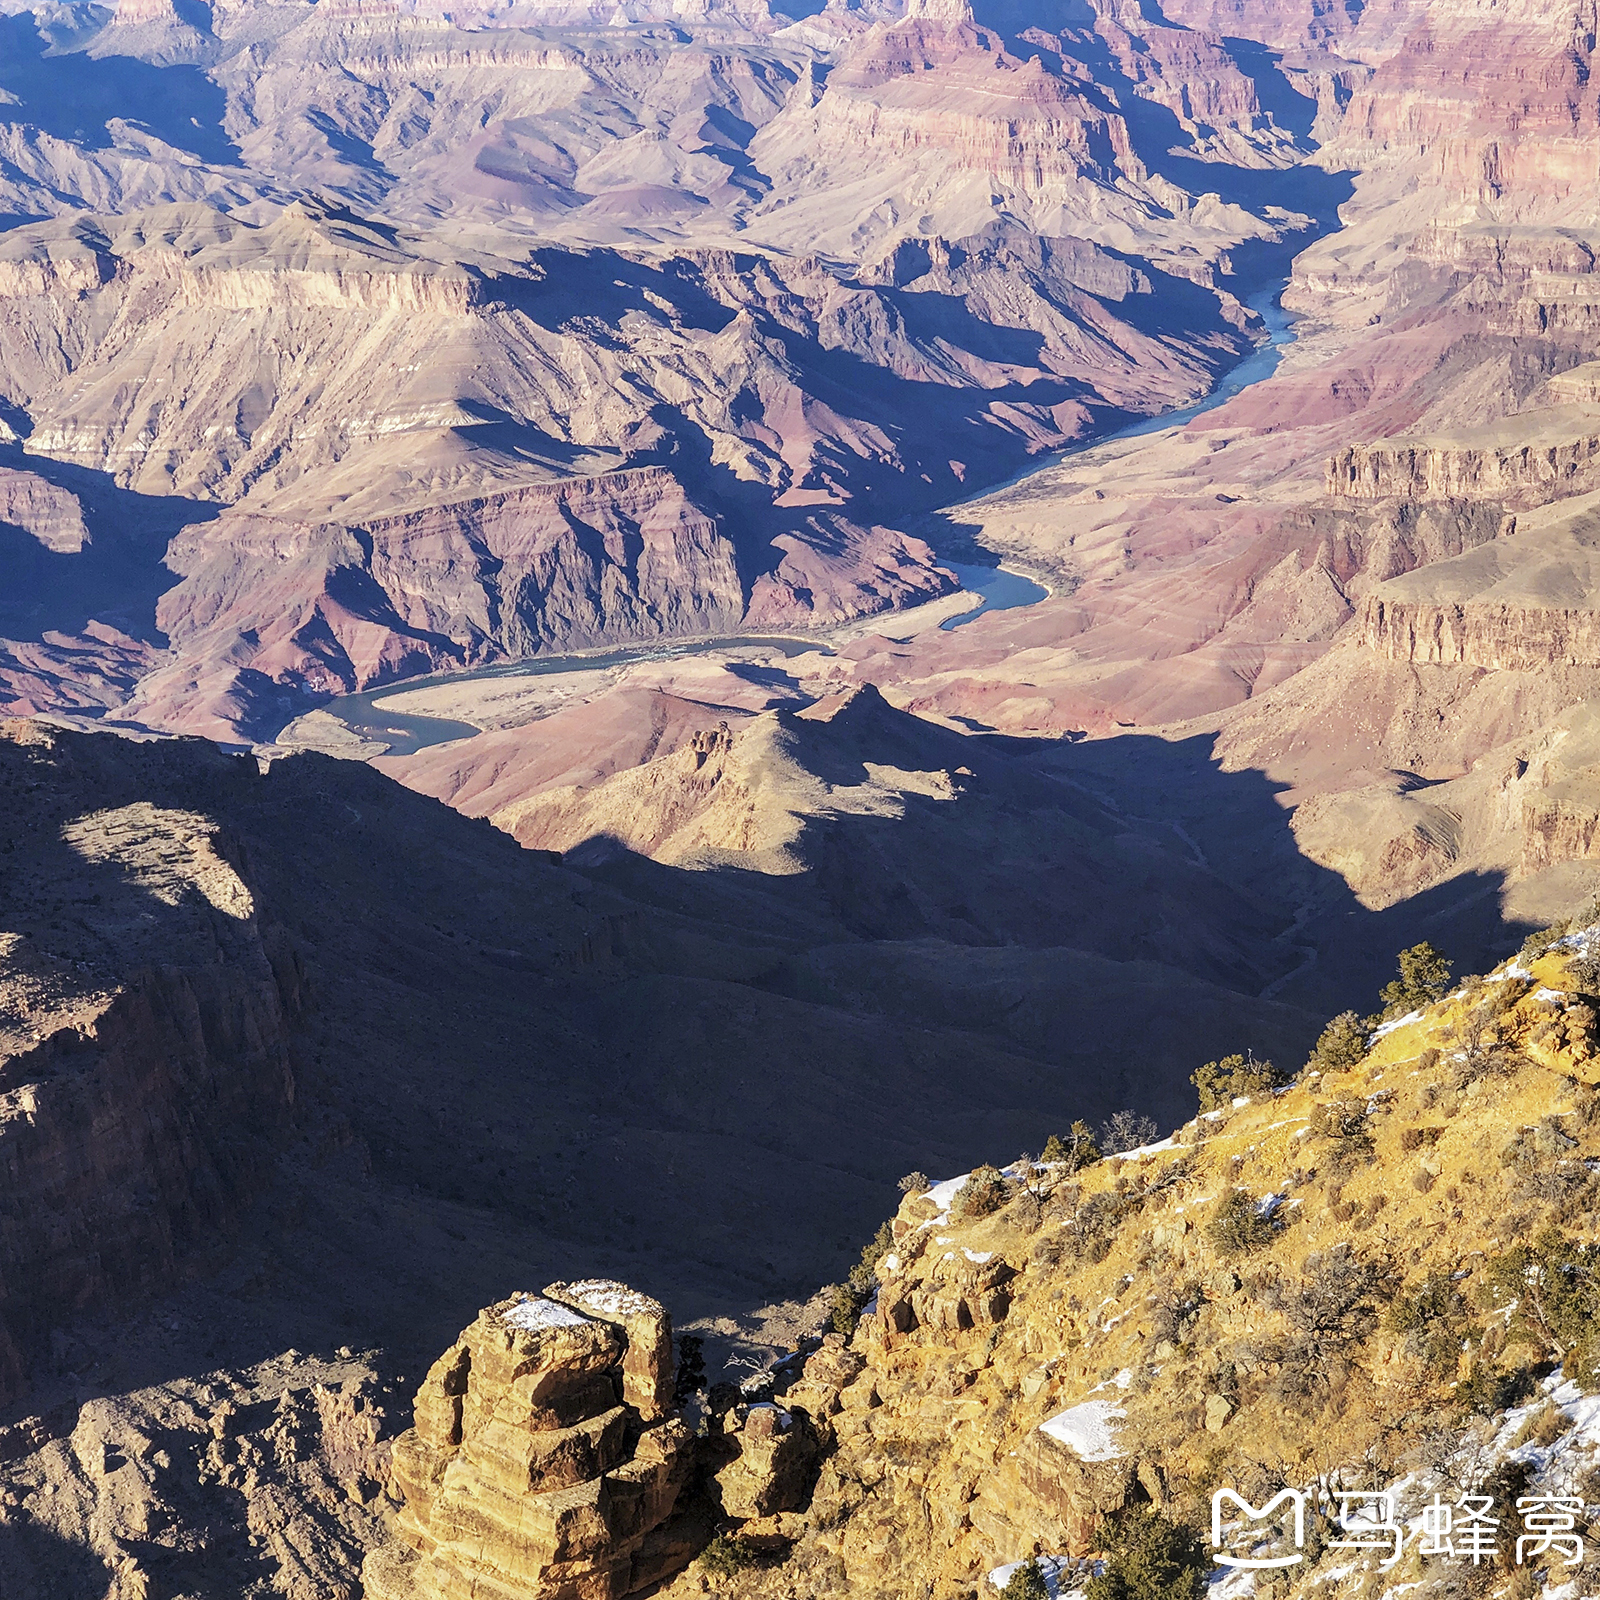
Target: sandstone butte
{"x":543,"y":1460}
{"x":547,"y":1460}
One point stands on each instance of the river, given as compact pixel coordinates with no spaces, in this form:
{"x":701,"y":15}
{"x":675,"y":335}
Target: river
{"x":998,"y":587}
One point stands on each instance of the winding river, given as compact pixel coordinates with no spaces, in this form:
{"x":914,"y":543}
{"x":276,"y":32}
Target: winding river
{"x":999,"y":588}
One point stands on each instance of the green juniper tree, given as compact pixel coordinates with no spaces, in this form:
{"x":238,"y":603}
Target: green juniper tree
{"x":1424,"y":978}
{"x":1149,"y":1557}
{"x":1026,"y":1583}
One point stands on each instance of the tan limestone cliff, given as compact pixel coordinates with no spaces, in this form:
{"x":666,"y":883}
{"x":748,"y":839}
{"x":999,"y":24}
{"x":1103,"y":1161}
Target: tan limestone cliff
{"x":1103,"y":1338}
{"x":1526,"y":473}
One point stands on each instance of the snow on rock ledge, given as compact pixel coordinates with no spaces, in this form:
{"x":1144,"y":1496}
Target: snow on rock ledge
{"x":1089,"y":1429}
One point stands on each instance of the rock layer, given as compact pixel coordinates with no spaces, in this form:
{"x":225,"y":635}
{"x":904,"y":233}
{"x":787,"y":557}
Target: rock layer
{"x":543,"y":1464}
{"x":1500,"y":637}
{"x":1524,"y":475}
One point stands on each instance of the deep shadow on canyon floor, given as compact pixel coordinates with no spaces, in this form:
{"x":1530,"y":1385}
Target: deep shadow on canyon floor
{"x":511,"y":1068}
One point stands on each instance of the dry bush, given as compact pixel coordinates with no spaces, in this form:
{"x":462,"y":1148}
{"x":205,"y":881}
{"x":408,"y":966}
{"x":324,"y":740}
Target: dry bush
{"x":984,"y":1192}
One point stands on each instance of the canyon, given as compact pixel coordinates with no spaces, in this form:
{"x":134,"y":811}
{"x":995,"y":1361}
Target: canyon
{"x":506,"y":785}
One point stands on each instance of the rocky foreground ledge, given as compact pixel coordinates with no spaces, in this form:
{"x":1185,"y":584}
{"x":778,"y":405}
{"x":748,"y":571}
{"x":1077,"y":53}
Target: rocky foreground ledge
{"x":549,"y":1459}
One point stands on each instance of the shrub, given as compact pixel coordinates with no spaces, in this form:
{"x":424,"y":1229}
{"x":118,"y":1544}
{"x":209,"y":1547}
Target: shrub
{"x":1338,"y":1119}
{"x":1076,"y":1151}
{"x":1126,"y":1130}
{"x":1543,"y":1427}
{"x":1341,"y":1045}
{"x":1583,"y":973}
{"x":1026,"y":1583}
{"x":1433,"y":1317}
{"x":983,"y":1193}
{"x":1331,"y":1307}
{"x":1237,"y":1227}
{"x":1343,"y":1123}
{"x":1416,"y":1138}
{"x":1488,"y":1389}
{"x":691,"y":1367}
{"x":728,"y":1554}
{"x":1552,"y":1286}
{"x":1221,"y":1082}
{"x":915,"y":1183}
{"x":1529,"y":1149}
{"x":1173,"y":1320}
{"x":852,"y":1296}
{"x":1424,"y":978}
{"x":1090,"y":1232}
{"x":1149,"y":1557}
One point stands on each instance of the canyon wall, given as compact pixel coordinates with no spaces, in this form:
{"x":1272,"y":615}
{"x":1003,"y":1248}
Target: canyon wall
{"x":838,"y":272}
{"x":132,"y":1146}
{"x":145,"y":1076}
{"x":1517,"y":474}
{"x":1498,"y":637}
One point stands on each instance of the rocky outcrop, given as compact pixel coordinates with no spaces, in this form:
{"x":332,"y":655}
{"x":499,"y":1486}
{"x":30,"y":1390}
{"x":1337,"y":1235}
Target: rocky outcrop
{"x":1557,"y":827}
{"x":776,"y":1453}
{"x":1520,"y":638}
{"x":1503,"y":252}
{"x":1522,"y":475}
{"x":133,"y":1144}
{"x":52,"y":515}
{"x":1553,"y":308}
{"x":544,"y":1463}
{"x":271,"y":1473}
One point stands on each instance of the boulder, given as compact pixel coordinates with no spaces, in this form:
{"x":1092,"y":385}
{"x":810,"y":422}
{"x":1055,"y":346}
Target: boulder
{"x":776,"y":1467}
{"x":649,"y":1373}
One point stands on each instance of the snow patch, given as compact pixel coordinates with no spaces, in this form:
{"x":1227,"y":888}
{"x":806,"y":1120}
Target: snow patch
{"x":943,"y":1194}
{"x":537,"y":1314}
{"x":1088,"y":1429}
{"x":1055,"y":1570}
{"x":1169,"y":1143}
{"x":1515,"y":970}
{"x":610,"y":1298}
{"x":1399,"y":1022}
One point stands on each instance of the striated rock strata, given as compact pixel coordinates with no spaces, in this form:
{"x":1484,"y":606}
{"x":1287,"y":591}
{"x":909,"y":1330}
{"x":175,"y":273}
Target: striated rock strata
{"x":543,"y":1464}
{"x":1518,"y":638}
{"x":1529,"y":474}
